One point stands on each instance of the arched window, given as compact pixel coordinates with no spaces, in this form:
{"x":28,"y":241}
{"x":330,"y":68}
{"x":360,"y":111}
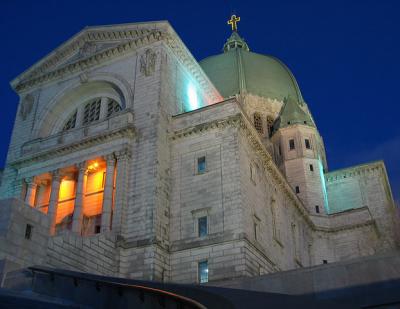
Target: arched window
{"x":270,"y":125}
{"x":112,"y":107}
{"x":258,"y":124}
{"x":70,"y":124}
{"x":91,"y":111}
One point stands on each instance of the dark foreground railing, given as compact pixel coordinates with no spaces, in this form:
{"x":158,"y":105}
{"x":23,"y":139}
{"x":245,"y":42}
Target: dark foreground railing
{"x":97,"y":293}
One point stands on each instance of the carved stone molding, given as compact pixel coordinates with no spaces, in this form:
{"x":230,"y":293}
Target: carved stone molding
{"x":220,"y":123}
{"x":56,"y":175}
{"x":148,"y":62}
{"x":109,"y":158}
{"x":82,"y":166}
{"x":128,"y":131}
{"x":88,"y":49}
{"x":26,"y":106}
{"x":49,"y":71}
{"x":123,"y":154}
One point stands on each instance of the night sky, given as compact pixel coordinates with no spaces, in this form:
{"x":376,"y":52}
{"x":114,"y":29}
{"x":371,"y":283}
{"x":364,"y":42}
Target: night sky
{"x":344,"y":55}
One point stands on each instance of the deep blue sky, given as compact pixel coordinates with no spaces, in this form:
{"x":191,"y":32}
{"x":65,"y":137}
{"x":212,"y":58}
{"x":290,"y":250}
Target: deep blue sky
{"x":344,"y":54}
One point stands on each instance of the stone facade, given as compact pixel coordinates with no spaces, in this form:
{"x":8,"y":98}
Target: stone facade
{"x":185,"y":175}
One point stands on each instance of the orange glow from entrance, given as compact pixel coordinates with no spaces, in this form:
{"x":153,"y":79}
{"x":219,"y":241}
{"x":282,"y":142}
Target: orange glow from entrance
{"x":93,"y":203}
{"x":67,"y":190}
{"x":66,"y":199}
{"x":93,"y":167}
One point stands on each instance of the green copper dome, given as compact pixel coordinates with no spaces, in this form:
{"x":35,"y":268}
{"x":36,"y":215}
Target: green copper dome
{"x":238,"y":70}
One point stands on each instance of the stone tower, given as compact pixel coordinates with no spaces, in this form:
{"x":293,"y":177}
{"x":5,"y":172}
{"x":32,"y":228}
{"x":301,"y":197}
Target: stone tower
{"x":300,"y":154}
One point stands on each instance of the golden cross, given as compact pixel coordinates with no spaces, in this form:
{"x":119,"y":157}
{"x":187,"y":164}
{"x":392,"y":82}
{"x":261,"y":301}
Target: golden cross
{"x":233,"y":22}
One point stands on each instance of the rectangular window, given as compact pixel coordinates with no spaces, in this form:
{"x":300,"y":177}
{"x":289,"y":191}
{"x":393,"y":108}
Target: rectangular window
{"x":311,"y":168}
{"x":255,"y":231}
{"x":203,"y":272}
{"x":201,"y":165}
{"x":291,"y":144}
{"x":325,"y":261}
{"x":28,"y":231}
{"x":279,"y":150}
{"x":307,"y":142}
{"x":297,"y":189}
{"x":317,"y":209}
{"x":202,"y":226}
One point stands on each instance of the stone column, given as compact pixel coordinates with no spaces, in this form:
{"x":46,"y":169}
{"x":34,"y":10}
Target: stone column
{"x":80,"y":192}
{"x":121,"y":188}
{"x":53,"y":201}
{"x":104,"y":107}
{"x":108,"y":194}
{"x":31,"y":191}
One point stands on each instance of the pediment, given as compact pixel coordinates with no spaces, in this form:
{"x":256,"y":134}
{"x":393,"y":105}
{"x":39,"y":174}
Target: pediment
{"x":89,"y":43}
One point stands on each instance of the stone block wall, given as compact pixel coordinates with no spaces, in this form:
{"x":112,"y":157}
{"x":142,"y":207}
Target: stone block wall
{"x":366,"y":185}
{"x":95,"y":254}
{"x":15,"y":245}
{"x":277,"y":232}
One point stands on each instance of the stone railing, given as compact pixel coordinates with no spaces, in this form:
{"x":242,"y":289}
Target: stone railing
{"x":109,"y":125}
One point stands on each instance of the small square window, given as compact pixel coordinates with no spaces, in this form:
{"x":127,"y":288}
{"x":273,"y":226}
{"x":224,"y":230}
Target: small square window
{"x":325,"y":261}
{"x":317,"y":209}
{"x":311,"y":168}
{"x":201,"y":165}
{"x":307,"y":142}
{"x":28,"y":231}
{"x":202,"y":226}
{"x":203,"y":272}
{"x":291,"y":144}
{"x":297,"y":189}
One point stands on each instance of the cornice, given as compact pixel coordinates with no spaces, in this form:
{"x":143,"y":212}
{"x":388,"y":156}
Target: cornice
{"x":47,"y":72}
{"x":370,"y":222}
{"x":127,"y":131}
{"x":183,"y":54}
{"x":219,"y":123}
{"x":354,"y":171}
{"x":131,"y":40}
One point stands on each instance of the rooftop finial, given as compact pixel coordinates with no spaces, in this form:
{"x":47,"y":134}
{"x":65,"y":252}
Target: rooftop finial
{"x":233,"y":22}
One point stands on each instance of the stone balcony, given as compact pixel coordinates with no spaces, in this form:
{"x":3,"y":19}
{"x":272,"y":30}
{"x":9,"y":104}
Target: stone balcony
{"x":119,"y":125}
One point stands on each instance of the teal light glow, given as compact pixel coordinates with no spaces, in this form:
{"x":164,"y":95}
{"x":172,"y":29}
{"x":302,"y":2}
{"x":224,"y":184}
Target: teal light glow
{"x":321,"y":174}
{"x":193,"y":99}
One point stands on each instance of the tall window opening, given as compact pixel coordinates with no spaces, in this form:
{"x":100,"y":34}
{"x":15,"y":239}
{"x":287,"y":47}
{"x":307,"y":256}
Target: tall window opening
{"x":297,"y":189}
{"x":70,"y":124}
{"x":203,"y":271}
{"x":270,"y":125}
{"x":308,"y":144}
{"x":291,"y":144}
{"x":201,"y":165}
{"x":91,"y":111}
{"x":202,"y":226}
{"x":112,"y":107}
{"x":258,"y":123}
{"x":28,"y":231}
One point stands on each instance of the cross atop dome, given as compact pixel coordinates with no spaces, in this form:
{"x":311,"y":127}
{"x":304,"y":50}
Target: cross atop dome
{"x":233,"y":22}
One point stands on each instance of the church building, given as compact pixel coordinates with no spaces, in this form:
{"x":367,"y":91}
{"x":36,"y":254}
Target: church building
{"x":130,"y":158}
